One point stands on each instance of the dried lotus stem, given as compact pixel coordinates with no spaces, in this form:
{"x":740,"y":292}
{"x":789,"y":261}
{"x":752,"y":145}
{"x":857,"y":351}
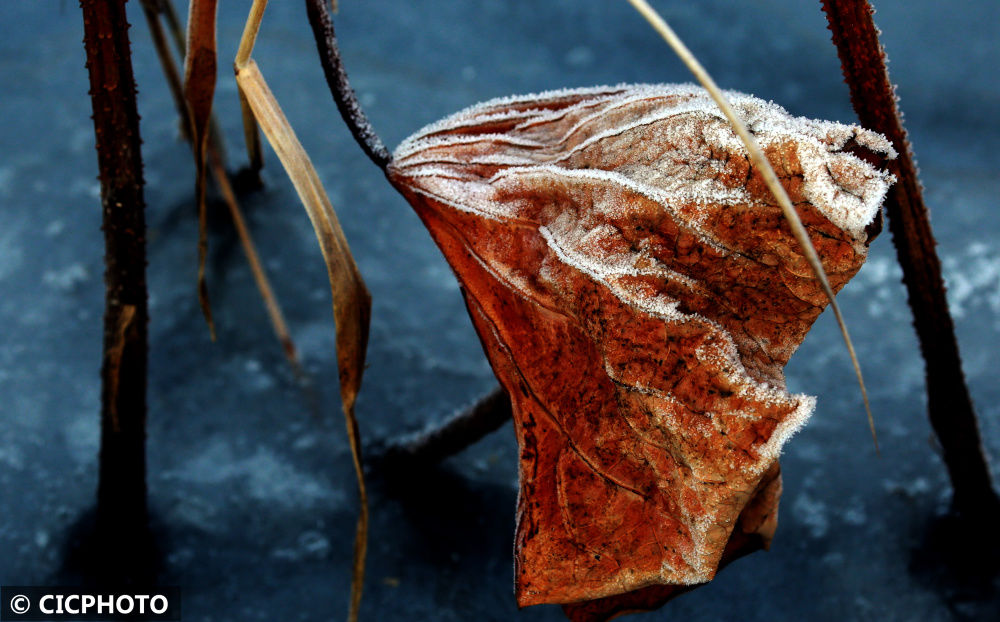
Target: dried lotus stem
{"x":452,"y":435}
{"x":217,"y":164}
{"x":340,"y":87}
{"x":121,"y":494}
{"x":948,"y":402}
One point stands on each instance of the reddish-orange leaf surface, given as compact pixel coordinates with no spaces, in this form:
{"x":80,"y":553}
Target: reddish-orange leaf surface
{"x":638,"y":292}
{"x":753,"y":532}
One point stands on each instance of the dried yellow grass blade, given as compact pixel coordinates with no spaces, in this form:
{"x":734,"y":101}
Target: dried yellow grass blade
{"x":253,"y":259}
{"x":174,"y":23}
{"x":216,"y":160}
{"x":157,"y":33}
{"x":351,"y":301}
{"x":767,"y":172}
{"x":251,"y":136}
{"x":249,"y":36}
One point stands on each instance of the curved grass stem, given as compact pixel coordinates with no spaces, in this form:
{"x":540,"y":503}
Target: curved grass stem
{"x":949,"y":405}
{"x":351,"y":301}
{"x":217,"y":165}
{"x":769,"y":176}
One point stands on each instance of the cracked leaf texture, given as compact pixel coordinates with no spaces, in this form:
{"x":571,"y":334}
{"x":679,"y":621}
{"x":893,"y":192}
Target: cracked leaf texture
{"x":638,"y":293}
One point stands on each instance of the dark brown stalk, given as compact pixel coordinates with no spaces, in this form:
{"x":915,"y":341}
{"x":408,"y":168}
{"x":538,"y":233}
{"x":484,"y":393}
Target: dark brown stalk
{"x":121,"y":493}
{"x":340,"y":87}
{"x":492,"y":410}
{"x":251,"y":137}
{"x":451,"y":436}
{"x":950,"y":407}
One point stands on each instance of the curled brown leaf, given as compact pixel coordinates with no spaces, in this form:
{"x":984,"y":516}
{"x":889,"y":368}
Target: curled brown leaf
{"x":638,"y":292}
{"x":200,"y":67}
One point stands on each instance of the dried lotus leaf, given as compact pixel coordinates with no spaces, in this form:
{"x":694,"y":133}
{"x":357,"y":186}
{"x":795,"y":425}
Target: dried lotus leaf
{"x":638,"y":293}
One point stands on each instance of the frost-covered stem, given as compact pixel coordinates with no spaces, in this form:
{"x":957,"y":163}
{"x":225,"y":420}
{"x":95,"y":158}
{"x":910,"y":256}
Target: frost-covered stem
{"x":950,"y":407}
{"x":340,"y":87}
{"x":121,"y":493}
{"x":454,"y":434}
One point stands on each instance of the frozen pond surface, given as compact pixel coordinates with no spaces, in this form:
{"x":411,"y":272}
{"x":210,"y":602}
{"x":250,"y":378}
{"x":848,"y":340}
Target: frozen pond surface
{"x":255,"y":495}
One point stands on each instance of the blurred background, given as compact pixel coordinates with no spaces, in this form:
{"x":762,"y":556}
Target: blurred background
{"x":251,"y":487}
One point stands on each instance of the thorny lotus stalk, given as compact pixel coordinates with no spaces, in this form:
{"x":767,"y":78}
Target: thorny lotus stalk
{"x":121,"y":494}
{"x":340,"y":87}
{"x":450,"y":436}
{"x":949,"y":405}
